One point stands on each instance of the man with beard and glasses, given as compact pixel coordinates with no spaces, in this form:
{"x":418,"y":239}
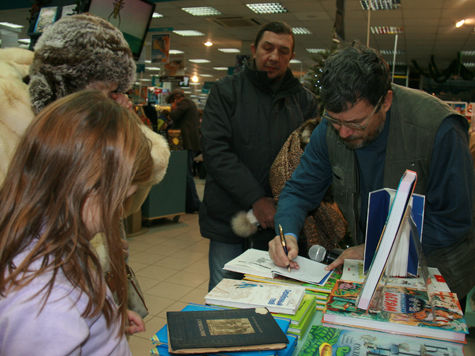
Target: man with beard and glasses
{"x":371,"y":132}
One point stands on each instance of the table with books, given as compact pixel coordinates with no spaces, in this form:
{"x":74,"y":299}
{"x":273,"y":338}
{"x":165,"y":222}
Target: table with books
{"x":322,"y":318}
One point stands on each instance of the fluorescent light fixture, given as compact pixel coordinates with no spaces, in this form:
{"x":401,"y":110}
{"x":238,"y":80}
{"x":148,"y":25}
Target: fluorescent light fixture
{"x":295,"y":61}
{"x":148,"y":61}
{"x":24,"y":40}
{"x":467,"y":53}
{"x":220,"y":68}
{"x":386,"y":30}
{"x":145,"y":80}
{"x":187,"y":33}
{"x":156,"y":15}
{"x":195,"y":83}
{"x":229,"y":50}
{"x":469,"y":64}
{"x":11,"y":25}
{"x":152,"y":68}
{"x":390,"y":52}
{"x":316,"y":50}
{"x":301,"y":31}
{"x":175,"y":51}
{"x":380,"y":4}
{"x":267,"y":8}
{"x":206,"y":75}
{"x":199,"y":60}
{"x":201,"y":11}
{"x":208,"y":43}
{"x":460,"y":23}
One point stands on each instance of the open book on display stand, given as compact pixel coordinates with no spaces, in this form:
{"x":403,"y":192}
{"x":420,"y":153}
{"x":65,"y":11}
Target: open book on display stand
{"x":397,"y":214}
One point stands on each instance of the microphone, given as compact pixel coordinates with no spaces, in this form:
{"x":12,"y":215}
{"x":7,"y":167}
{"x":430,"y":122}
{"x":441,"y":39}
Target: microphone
{"x":320,"y":254}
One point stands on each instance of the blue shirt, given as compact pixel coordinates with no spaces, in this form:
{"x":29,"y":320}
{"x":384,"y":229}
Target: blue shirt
{"x":448,"y":210}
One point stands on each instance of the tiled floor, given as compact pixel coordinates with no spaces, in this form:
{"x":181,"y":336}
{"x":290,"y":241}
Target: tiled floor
{"x":171,"y":262}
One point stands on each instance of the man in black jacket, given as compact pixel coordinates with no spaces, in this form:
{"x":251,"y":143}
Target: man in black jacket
{"x":247,"y":118}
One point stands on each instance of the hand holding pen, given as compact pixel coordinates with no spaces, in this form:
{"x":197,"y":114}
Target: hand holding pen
{"x":284,"y":243}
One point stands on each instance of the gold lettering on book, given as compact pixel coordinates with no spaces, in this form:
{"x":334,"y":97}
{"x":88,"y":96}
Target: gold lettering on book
{"x":237,"y":326}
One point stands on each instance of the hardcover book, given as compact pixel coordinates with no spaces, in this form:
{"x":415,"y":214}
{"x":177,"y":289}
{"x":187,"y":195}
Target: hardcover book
{"x":223,"y":330}
{"x":395,"y":218}
{"x":401,"y":310}
{"x":301,"y":320}
{"x":322,"y":340}
{"x":244,"y":294}
{"x":258,"y":262}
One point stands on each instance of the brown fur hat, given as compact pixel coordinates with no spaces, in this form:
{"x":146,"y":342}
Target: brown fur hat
{"x":74,"y":52}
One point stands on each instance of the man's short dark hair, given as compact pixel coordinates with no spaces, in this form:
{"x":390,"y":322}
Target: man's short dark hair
{"x":278,"y":28}
{"x":353,"y":73}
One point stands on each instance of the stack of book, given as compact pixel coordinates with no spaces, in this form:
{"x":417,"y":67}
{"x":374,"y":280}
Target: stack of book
{"x":245,"y":294}
{"x":253,"y":331}
{"x":300,"y":322}
{"x":402,"y":306}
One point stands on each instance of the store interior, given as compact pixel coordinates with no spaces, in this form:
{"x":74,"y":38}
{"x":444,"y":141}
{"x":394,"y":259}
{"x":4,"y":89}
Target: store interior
{"x":429,"y":45}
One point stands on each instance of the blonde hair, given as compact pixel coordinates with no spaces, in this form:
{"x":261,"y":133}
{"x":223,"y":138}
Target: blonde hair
{"x":81,"y":145}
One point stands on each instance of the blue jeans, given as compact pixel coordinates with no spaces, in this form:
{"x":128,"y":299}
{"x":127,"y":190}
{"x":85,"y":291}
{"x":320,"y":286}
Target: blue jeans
{"x":219,"y":254}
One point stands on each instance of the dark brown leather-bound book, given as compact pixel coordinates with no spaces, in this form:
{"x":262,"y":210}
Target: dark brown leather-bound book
{"x":223,"y":330}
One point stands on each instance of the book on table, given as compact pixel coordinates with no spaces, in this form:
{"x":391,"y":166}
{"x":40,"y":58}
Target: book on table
{"x":401,"y":310}
{"x":394,"y":221}
{"x":160,"y":338}
{"x":300,"y":321}
{"x":258,"y":263}
{"x":242,"y":294}
{"x":210,"y":331}
{"x":323,"y":340}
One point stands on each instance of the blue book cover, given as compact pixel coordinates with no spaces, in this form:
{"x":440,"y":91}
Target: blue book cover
{"x":379,"y":203}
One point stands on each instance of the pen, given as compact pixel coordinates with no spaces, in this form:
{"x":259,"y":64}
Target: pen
{"x":284,"y":244}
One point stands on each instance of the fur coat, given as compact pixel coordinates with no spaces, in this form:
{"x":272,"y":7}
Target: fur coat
{"x":325,"y":225}
{"x":16,"y":114}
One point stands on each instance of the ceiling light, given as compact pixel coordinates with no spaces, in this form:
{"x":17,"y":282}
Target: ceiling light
{"x":194,"y":79}
{"x":188,"y":33}
{"x":152,"y":68}
{"x":193,"y":83}
{"x":467,"y":53}
{"x":469,"y":64}
{"x":145,"y":80}
{"x":295,"y":61}
{"x":301,"y":31}
{"x":267,"y":8}
{"x":206,"y":75}
{"x":316,"y":50}
{"x":156,"y":15}
{"x":460,"y":23}
{"x":220,"y":68}
{"x":24,"y":40}
{"x":147,"y":61}
{"x":229,"y":50}
{"x":201,"y":11}
{"x":380,"y":4}
{"x":198,"y":60}
{"x":208,"y":43}
{"x":386,"y":30}
{"x":11,"y":25}
{"x":387,"y":52}
{"x":175,"y":51}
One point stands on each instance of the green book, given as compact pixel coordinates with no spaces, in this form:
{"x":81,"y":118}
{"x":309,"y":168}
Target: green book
{"x":304,"y":307}
{"x":210,"y":331}
{"x":302,"y":327}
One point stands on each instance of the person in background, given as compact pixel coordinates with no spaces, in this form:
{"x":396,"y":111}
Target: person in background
{"x":75,"y":53}
{"x":372,"y":131}
{"x":69,"y":179}
{"x":246,"y":120}
{"x":151,"y":113}
{"x":185,"y":117}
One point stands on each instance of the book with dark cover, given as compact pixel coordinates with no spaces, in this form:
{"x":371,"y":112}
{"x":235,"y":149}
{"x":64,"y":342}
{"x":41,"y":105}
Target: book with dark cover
{"x":224,"y":330}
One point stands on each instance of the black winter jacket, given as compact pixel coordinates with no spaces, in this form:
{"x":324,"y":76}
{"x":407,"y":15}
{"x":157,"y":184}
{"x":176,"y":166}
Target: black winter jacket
{"x":245,"y":124}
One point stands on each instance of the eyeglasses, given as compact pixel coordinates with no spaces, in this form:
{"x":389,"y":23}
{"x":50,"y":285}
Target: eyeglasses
{"x":357,"y":124}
